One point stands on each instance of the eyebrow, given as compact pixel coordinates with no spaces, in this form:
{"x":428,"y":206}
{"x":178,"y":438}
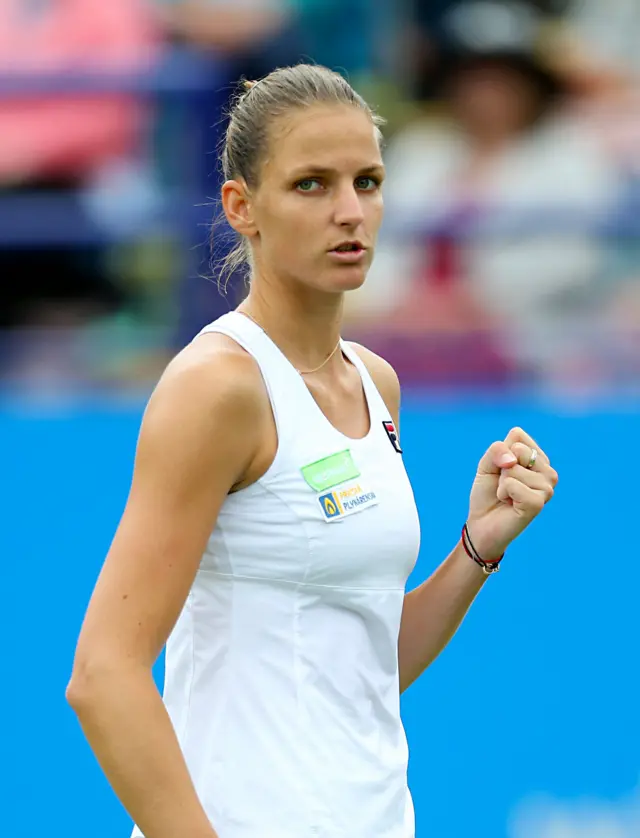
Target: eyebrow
{"x":305,"y":171}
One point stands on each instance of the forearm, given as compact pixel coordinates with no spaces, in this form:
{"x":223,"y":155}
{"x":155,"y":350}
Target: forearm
{"x":128,"y":727}
{"x":433,"y":611}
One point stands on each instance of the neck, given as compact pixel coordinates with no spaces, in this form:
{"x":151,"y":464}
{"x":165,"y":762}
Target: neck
{"x":303,"y":322}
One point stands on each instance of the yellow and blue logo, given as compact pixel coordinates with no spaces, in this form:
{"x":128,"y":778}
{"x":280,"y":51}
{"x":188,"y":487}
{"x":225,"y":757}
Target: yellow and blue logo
{"x":330,"y":505}
{"x":346,"y":500}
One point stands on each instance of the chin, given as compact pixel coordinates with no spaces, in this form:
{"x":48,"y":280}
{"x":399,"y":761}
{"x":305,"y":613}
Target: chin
{"x":355,"y":283}
{"x":345,"y":279}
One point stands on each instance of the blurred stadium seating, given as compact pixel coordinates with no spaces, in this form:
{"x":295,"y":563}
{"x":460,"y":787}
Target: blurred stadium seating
{"x":506,"y":290}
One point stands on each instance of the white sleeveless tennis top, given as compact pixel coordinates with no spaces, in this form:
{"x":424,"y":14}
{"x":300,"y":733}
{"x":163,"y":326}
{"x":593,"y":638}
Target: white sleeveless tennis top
{"x":282,"y":670}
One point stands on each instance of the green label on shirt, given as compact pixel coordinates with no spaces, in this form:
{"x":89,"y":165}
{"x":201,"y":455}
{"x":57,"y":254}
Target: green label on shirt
{"x":330,"y":471}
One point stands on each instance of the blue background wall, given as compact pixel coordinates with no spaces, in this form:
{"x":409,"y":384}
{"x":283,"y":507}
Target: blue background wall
{"x":539,"y":692}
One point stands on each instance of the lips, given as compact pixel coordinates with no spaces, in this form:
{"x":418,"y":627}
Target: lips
{"x":351,"y":246}
{"x":351,"y":253}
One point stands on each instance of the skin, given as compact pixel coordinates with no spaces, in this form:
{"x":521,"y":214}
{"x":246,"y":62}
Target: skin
{"x":213,"y":390}
{"x":494,"y":104}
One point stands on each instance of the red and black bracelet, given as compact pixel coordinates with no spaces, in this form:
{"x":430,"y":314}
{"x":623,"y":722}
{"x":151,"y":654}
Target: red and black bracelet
{"x":470,"y":550}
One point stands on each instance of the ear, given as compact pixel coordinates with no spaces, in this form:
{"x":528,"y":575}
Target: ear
{"x":237,"y":206}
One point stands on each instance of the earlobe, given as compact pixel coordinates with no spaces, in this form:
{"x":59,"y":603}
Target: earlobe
{"x":236,"y":203}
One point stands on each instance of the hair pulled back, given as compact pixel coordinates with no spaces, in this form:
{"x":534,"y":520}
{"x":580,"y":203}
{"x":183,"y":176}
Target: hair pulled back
{"x":254,"y":110}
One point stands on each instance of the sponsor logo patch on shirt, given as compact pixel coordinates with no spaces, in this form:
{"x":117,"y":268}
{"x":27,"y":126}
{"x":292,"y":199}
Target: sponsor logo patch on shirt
{"x":346,"y":500}
{"x":330,"y":471}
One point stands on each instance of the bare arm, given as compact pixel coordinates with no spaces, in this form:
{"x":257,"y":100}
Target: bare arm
{"x":199,"y":435}
{"x":433,"y":611}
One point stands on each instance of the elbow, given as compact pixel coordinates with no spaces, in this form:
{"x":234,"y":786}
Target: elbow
{"x":76,"y":691}
{"x":82,"y":686}
{"x":94,"y":680}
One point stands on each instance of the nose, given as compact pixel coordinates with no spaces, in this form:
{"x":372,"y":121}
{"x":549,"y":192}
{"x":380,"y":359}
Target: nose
{"x":348,"y":211}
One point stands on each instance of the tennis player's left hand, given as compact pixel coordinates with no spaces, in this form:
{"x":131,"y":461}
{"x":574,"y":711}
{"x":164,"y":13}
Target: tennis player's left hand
{"x":508,"y":492}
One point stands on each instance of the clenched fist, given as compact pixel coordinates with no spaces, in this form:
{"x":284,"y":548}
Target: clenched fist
{"x":513,"y":483}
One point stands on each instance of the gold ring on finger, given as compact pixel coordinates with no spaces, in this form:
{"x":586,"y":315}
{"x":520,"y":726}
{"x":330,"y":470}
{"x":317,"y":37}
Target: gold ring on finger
{"x":532,"y":458}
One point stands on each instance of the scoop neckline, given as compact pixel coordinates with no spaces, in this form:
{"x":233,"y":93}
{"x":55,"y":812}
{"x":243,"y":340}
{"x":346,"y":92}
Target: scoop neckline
{"x":351,"y":357}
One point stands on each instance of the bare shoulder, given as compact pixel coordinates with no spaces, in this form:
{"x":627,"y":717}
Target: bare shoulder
{"x":211,"y":390}
{"x":211,"y":370}
{"x":384,"y":377}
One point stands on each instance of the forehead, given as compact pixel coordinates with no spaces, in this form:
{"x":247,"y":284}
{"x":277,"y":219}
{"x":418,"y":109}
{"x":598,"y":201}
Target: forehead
{"x":340,"y":137}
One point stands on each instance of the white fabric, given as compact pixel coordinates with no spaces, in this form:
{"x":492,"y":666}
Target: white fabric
{"x":282,"y":671}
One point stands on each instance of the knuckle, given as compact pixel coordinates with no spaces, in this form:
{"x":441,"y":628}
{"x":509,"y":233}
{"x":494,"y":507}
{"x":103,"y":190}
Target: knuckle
{"x":512,"y":436}
{"x":538,"y":503}
{"x":553,"y":476}
{"x":496,"y":449}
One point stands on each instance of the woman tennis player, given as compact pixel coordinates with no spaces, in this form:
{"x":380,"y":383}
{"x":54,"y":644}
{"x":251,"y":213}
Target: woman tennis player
{"x":271,"y":527}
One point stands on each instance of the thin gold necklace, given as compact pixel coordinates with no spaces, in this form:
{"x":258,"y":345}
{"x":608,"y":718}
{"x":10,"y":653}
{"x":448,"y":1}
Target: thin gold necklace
{"x":300,"y":372}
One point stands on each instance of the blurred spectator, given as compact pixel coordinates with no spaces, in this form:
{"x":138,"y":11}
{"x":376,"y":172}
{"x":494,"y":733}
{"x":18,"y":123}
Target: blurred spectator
{"x":594,"y":49}
{"x":611,"y":31}
{"x":429,"y":34}
{"x":57,"y":143}
{"x":493,"y":207}
{"x":262,"y":34}
{"x":241,"y":28}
